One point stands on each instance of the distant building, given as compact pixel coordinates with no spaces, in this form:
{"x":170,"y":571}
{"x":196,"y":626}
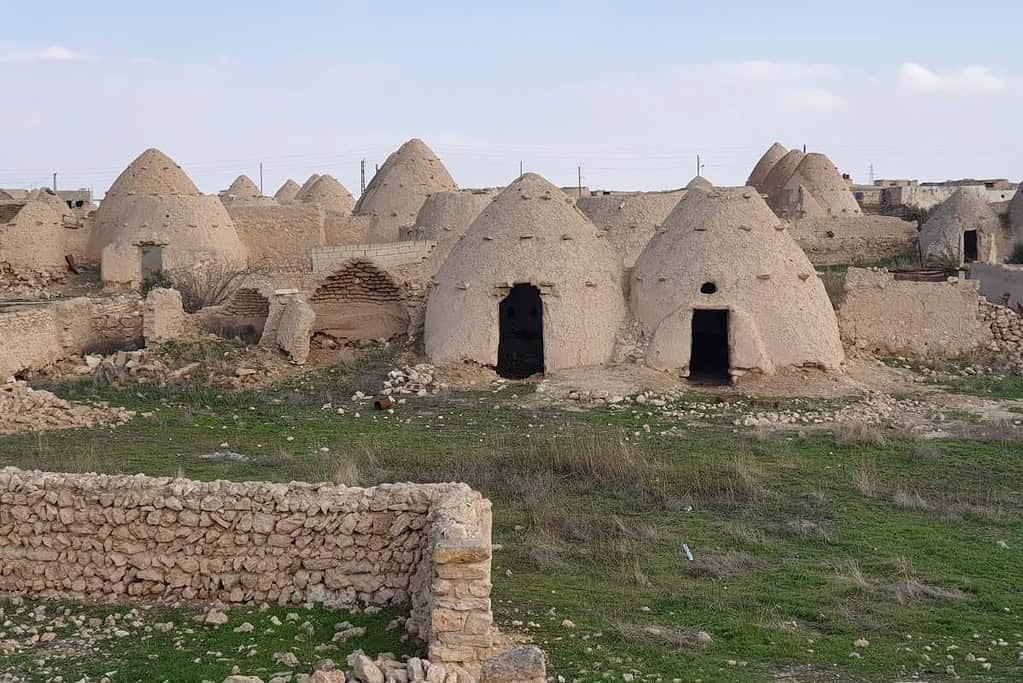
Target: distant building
{"x":76,"y":199}
{"x":910,"y":195}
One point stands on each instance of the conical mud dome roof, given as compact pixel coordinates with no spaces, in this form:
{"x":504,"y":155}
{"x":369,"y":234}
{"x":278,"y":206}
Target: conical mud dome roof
{"x":396,"y":193}
{"x":822,"y":179}
{"x":243,"y":188}
{"x":153,"y":173}
{"x":699,"y":183}
{"x":530,"y":233}
{"x":781,"y":172}
{"x":287,"y":192}
{"x":328,"y":193}
{"x":726,"y":250}
{"x":309,"y":182}
{"x":771,"y":157}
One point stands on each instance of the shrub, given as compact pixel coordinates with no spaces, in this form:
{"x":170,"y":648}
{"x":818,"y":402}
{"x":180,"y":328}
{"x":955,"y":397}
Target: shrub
{"x":207,"y":284}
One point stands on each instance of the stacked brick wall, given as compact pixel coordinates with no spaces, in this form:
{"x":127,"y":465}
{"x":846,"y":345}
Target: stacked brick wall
{"x":358,"y":280}
{"x":136,"y":537}
{"x":385,"y":254}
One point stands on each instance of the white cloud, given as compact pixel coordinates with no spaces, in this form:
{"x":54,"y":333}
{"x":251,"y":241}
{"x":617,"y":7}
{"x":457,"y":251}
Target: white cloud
{"x":922,"y":79}
{"x":811,"y":100}
{"x":52,"y":53}
{"x":767,"y":71}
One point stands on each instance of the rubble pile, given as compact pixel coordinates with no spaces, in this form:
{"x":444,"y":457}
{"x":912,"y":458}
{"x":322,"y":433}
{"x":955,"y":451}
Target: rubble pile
{"x":1006,"y":330}
{"x":24,"y":409}
{"x":412,"y":380}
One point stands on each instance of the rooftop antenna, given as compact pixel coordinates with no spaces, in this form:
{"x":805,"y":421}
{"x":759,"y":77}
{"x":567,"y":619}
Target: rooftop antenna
{"x":579,"y":169}
{"x":520,"y":168}
{"x":362,"y":175}
{"x":871,"y":173}
{"x":260,"y":177}
{"x":54,"y":182}
{"x":804,"y":148}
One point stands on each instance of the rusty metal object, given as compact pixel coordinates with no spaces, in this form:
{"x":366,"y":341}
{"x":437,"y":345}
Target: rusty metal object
{"x":383,"y":402}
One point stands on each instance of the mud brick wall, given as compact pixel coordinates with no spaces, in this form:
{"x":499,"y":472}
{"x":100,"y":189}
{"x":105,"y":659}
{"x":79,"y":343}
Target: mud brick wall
{"x":94,"y":536}
{"x":385,"y":254}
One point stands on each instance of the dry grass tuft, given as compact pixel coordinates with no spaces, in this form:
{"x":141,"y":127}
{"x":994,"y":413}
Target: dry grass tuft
{"x":723,"y":565}
{"x":912,"y":590}
{"x":911,"y":500}
{"x":744,"y":533}
{"x":808,"y":530}
{"x":850,"y":572}
{"x":859,"y":432}
{"x":865,"y":479}
{"x":666,"y":636}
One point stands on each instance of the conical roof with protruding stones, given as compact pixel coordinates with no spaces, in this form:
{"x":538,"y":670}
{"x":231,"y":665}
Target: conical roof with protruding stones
{"x":941,"y":237}
{"x":629,"y":219}
{"x":725,"y":249}
{"x":781,"y":172}
{"x":445,"y":217}
{"x":771,"y":157}
{"x":192,"y":228}
{"x":817,"y":175}
{"x":530,"y":233}
{"x":153,"y":173}
{"x":699,"y":183}
{"x":243,"y":188}
{"x":328,"y":193}
{"x":399,"y":189}
{"x":287,"y":192}
{"x":309,"y":182}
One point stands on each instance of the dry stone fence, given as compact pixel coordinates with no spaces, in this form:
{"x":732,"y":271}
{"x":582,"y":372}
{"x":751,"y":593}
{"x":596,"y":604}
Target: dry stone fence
{"x":425,"y":546}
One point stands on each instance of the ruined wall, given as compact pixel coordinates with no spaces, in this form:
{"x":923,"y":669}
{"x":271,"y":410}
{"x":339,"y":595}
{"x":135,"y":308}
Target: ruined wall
{"x":387,"y":254}
{"x":279,"y":237}
{"x":136,"y":537}
{"x":906,"y":318}
{"x":36,"y":336}
{"x":31,"y":238}
{"x":342,"y":228}
{"x":854,"y":239}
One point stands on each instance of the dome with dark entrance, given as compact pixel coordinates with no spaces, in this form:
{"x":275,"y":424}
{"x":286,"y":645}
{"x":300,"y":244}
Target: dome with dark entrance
{"x":963,"y":229}
{"x":531,"y":286}
{"x":723,"y":289}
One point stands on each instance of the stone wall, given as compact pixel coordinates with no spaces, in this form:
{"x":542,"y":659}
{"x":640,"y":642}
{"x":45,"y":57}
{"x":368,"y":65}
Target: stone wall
{"x":38,"y":335}
{"x":279,"y":237}
{"x":344,"y":228}
{"x":386,"y":254}
{"x":426,"y":546}
{"x":907,"y":318}
{"x":854,"y":239}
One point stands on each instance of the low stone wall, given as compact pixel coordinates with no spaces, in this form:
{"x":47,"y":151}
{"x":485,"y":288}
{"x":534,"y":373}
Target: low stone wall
{"x":37,"y":335}
{"x":91,"y":536}
{"x":854,"y":239}
{"x":906,"y":318}
{"x":385,"y":254}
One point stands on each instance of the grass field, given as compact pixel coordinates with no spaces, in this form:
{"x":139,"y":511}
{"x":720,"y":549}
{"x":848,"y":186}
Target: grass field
{"x":816,"y":557}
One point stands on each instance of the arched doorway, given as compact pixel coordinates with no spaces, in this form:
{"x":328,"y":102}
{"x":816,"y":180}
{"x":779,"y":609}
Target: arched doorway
{"x":520,"y":345}
{"x":243,"y":315}
{"x":358,"y":302}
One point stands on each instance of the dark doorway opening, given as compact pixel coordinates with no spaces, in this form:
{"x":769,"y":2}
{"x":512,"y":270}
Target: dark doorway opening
{"x":970,"y":246}
{"x":708,"y":360}
{"x":520,"y":348}
{"x":152,"y":260}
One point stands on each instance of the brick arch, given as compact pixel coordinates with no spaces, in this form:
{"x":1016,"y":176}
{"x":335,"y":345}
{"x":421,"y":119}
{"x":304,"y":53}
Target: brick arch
{"x":359,"y":301}
{"x":243,"y":315}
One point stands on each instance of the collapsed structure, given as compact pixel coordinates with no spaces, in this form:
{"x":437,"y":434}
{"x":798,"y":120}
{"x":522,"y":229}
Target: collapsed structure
{"x":531,"y":286}
{"x":153,"y":218}
{"x":398,"y":190}
{"x":723,"y":289}
{"x":963,"y":229}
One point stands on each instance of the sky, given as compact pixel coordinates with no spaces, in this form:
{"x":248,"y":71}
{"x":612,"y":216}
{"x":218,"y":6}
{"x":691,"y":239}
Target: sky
{"x":630,"y":92}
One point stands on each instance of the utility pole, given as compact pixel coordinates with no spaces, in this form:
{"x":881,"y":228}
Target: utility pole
{"x":260,"y":177}
{"x":520,"y":168}
{"x":362,"y":177}
{"x":871,"y":174}
{"x":55,"y":182}
{"x":804,"y":148}
{"x":579,"y":169}
{"x":699,"y":166}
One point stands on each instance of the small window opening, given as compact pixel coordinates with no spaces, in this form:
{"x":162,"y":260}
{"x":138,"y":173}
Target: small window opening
{"x":708,"y":288}
{"x":970,"y":246}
